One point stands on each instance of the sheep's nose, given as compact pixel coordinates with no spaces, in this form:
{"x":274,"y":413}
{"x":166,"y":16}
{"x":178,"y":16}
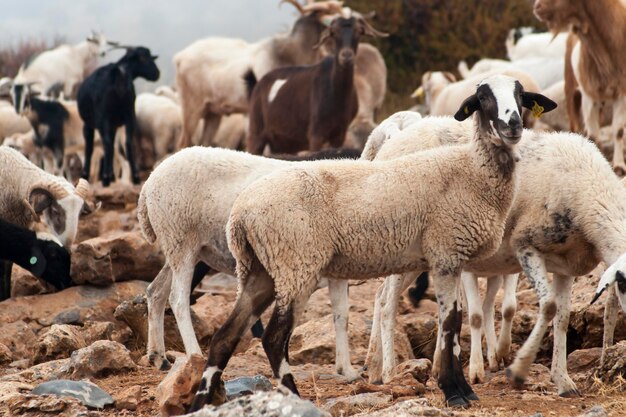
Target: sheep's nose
{"x":515,"y":122}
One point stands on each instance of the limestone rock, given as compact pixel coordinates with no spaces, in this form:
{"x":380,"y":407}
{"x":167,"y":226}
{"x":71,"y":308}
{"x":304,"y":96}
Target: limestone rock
{"x":414,"y":408}
{"x":246,"y":385}
{"x":103,"y":357}
{"x":263,"y":404}
{"x":595,"y":411}
{"x":36,"y":405}
{"x":24,"y":283}
{"x":86,"y":392}
{"x":614,"y":364}
{"x":419,"y":369}
{"x":583,"y":359}
{"x":115,"y":257}
{"x":9,"y":390}
{"x":5,"y":355}
{"x":59,"y":342}
{"x":129,"y":399}
{"x":117,"y":196}
{"x":19,"y":338}
{"x":353,"y":404}
{"x":179,"y":386}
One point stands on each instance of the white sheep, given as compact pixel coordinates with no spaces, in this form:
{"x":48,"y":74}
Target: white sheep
{"x":546,"y":70}
{"x":159,"y":120}
{"x":569,"y":214}
{"x":184,"y":206}
{"x":344,"y":219}
{"x":535,"y":45}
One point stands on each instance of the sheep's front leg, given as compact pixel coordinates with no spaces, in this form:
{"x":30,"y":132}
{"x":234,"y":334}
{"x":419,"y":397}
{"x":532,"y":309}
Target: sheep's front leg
{"x":157,"y":293}
{"x":451,"y":379}
{"x":535,"y":270}
{"x":256,"y":295}
{"x":619,"y":131}
{"x":338,"y":292}
{"x":562,"y":289}
{"x":610,"y":319}
{"x":476,"y":367}
{"x":509,"y":307}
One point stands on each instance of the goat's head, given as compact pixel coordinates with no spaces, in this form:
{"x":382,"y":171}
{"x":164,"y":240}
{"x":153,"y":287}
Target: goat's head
{"x":345,"y":33}
{"x":98,"y":39}
{"x":559,"y":15}
{"x":60,"y":206}
{"x":51,"y":262}
{"x":141,"y":63}
{"x":498,"y":103}
{"x":614,"y":274}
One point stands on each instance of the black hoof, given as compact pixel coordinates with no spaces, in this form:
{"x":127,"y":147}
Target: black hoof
{"x":517,"y":381}
{"x":571,"y":394}
{"x":457,"y":401}
{"x":471,"y":396}
{"x":165,"y":365}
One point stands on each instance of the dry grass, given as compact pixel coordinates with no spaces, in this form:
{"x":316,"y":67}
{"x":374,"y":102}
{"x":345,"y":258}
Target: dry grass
{"x":12,"y":56}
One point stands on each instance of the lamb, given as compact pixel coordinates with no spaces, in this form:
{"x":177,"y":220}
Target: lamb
{"x":60,"y":69}
{"x":299,"y":108}
{"x":598,"y":62}
{"x":39,"y":253}
{"x":159,"y":120}
{"x":189,"y":223}
{"x":534,"y":45}
{"x":546,"y":70}
{"x":569,"y":214}
{"x":341,"y":219}
{"x":106,"y":101}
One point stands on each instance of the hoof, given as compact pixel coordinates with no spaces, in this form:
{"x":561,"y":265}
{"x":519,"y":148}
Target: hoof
{"x":477,"y":379}
{"x":619,"y":171}
{"x":457,"y":401}
{"x":517,"y":381}
{"x":472,"y":396}
{"x":573,"y":393}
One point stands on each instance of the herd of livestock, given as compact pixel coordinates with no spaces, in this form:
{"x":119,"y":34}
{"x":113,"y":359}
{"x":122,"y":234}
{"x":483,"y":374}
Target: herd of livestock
{"x":323,"y":193}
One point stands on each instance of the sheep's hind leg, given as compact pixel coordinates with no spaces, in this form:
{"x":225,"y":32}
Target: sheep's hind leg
{"x":493,"y":285}
{"x":562,"y":286}
{"x":535,"y":270}
{"x":157,"y":294}
{"x":509,"y":307}
{"x":257,"y":294}
{"x":338,"y":292}
{"x":179,"y":301}
{"x":451,"y":379}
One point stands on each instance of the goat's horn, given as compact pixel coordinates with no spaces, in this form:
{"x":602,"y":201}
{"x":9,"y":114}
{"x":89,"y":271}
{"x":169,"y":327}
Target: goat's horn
{"x":294,"y":3}
{"x":369,"y":30}
{"x":82,"y":189}
{"x":328,"y":7}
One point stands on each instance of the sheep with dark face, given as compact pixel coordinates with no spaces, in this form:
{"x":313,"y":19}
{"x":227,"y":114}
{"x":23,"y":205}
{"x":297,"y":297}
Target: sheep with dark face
{"x":106,"y":101}
{"x":39,"y":253}
{"x":345,"y":219}
{"x":299,"y":108}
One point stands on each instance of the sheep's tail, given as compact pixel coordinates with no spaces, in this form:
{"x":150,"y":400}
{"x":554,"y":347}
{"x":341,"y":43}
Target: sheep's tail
{"x":463,"y":69}
{"x":144,"y":220}
{"x":251,"y":81}
{"x":239,"y":246}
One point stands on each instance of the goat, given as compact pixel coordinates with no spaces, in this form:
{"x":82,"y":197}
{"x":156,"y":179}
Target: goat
{"x":60,"y":69}
{"x":106,"y":101}
{"x":299,"y":108}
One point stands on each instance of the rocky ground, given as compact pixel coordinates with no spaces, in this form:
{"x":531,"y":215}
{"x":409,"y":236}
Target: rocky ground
{"x":97,"y":332}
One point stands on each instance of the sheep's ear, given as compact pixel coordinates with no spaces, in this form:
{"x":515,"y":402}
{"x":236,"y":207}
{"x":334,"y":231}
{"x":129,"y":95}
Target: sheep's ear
{"x":469,"y":106}
{"x":537,"y":103}
{"x":40,"y":199}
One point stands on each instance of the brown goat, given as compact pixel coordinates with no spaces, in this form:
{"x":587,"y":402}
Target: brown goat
{"x":598,"y":60}
{"x":304,"y":107}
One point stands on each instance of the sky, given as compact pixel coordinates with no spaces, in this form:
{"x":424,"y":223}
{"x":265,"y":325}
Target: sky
{"x":164,"y":26}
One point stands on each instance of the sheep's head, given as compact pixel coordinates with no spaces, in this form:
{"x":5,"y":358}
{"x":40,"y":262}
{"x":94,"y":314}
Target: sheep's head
{"x":51,"y":262}
{"x":498,"y":103}
{"x":614,"y":274}
{"x":559,"y":15}
{"x":433,"y":82}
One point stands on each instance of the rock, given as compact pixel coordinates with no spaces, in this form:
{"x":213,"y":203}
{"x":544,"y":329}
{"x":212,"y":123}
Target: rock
{"x":35,"y":405}
{"x":129,"y":399}
{"x":59,"y":342}
{"x":23,"y":283}
{"x":595,"y":411}
{"x":97,"y":330}
{"x":5,"y":355}
{"x":86,"y":392}
{"x":101,"y":358}
{"x":117,"y":196}
{"x":263,"y":404}
{"x":46,"y":371}
{"x":347,"y":406}
{"x":583,"y":359}
{"x":414,"y":408}
{"x":246,"y":385}
{"x":115,"y":257}
{"x":421,"y":330}
{"x":179,"y":386}
{"x":408,"y":388}
{"x":9,"y":390}
{"x":614,"y":365}
{"x":538,"y":379}
{"x":419,"y":369}
{"x":135,"y":313}
{"x":314,"y":341}
{"x":19,"y":338}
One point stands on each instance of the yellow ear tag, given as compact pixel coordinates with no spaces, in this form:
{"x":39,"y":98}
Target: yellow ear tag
{"x":537,"y":110}
{"x":466,"y":110}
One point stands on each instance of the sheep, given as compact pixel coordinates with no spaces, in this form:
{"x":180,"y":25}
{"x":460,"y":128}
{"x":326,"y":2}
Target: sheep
{"x":106,"y":101}
{"x":64,"y":66}
{"x":597,"y":61}
{"x":546,"y":70}
{"x":299,"y":108}
{"x":184,"y":206}
{"x":209,"y":72}
{"x":39,"y":253}
{"x":342,"y":219}
{"x":568,"y":215}
{"x":534,"y":45}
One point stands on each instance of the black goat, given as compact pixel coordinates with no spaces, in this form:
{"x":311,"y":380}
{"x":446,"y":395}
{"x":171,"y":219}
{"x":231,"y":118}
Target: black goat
{"x":44,"y":258}
{"x":299,"y":108}
{"x":106,"y":101}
